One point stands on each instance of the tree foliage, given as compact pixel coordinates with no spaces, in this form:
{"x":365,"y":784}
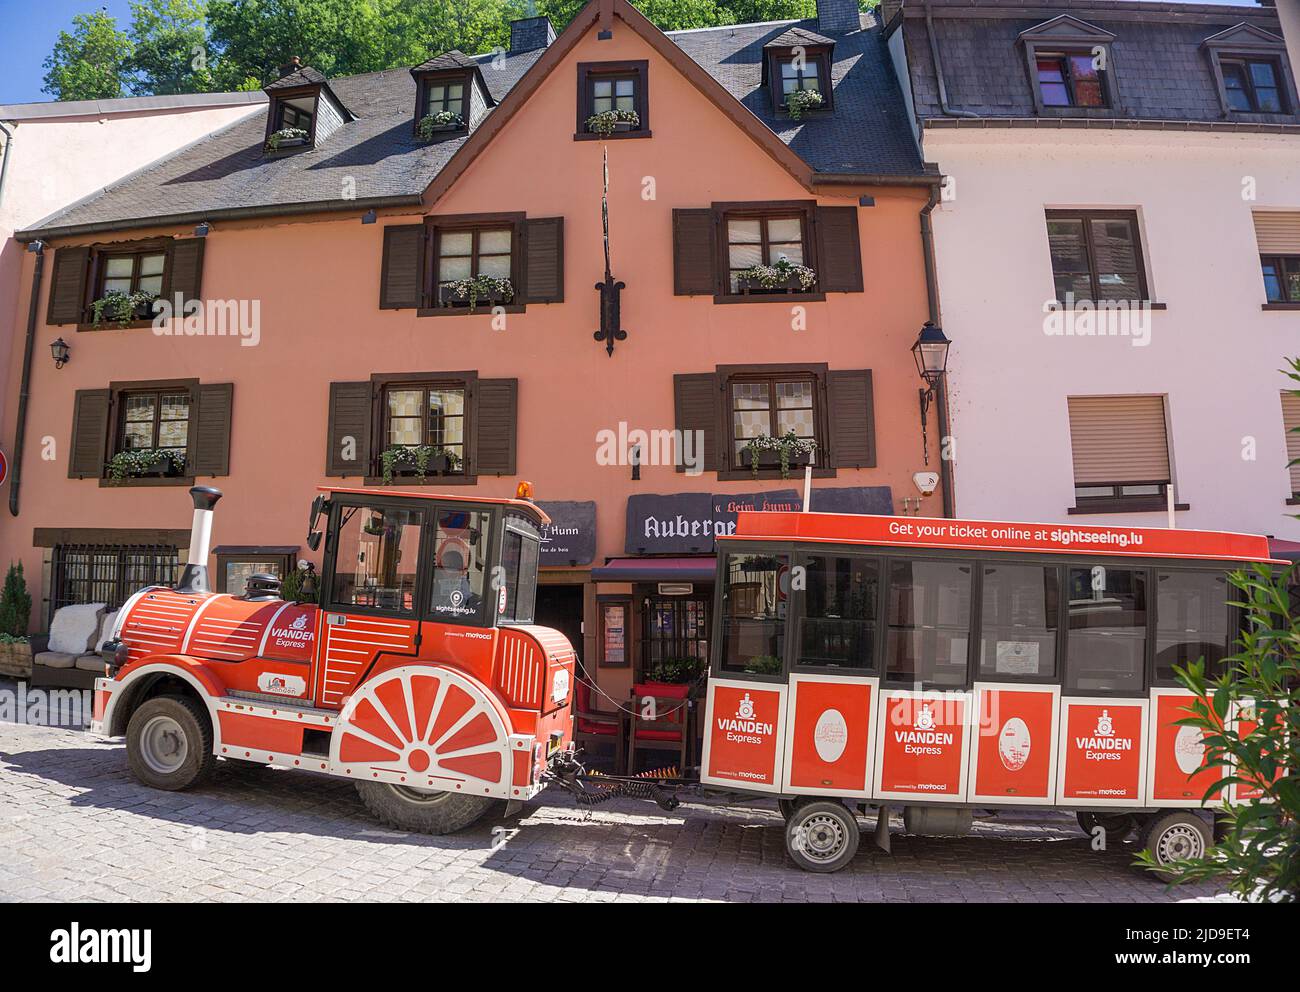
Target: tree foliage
{"x":91,"y":62}
{"x":185,"y":46}
{"x":15,"y":603}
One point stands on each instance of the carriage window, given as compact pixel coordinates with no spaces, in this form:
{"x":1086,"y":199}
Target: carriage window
{"x":929,"y":622}
{"x":838,"y":625}
{"x":1019,"y":621}
{"x":377,"y":554}
{"x":460,"y":564}
{"x":1192,"y":621}
{"x":519,"y":578}
{"x":753,"y":613}
{"x":1107,"y":630}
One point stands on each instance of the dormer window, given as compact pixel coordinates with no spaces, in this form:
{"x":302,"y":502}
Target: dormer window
{"x":1069,"y":67}
{"x":1071,"y":79}
{"x":797,"y":72}
{"x":1252,"y":70}
{"x":451,"y":96}
{"x":304,"y":110}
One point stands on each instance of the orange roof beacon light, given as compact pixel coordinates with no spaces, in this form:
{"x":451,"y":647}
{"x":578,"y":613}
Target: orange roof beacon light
{"x":524,"y":491}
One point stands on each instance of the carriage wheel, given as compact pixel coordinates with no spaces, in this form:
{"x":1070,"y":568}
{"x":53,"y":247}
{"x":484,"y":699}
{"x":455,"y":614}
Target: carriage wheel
{"x":822,"y":835}
{"x":1173,"y":837}
{"x":1118,"y":826}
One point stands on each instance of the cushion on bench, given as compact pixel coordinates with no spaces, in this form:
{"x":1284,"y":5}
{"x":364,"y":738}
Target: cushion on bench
{"x":55,"y":659}
{"x":74,"y":628}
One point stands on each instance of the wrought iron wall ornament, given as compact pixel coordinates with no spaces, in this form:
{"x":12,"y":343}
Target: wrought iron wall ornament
{"x":611,"y":289}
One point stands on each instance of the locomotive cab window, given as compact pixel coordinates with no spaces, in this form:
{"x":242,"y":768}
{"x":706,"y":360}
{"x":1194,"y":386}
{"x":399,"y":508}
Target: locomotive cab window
{"x":460,"y":566}
{"x":754,"y":608}
{"x":376,"y":552}
{"x":517,"y":595}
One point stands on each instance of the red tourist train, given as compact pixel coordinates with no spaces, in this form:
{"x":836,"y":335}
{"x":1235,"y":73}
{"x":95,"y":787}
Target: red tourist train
{"x":942,"y":666}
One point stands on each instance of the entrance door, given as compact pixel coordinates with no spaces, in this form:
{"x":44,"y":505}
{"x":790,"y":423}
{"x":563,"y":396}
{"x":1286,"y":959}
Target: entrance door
{"x":560,"y":608}
{"x":745,"y":712}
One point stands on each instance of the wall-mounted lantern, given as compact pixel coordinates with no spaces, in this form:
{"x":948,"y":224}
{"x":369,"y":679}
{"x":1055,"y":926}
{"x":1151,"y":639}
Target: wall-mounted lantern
{"x":62,"y":353}
{"x":931,"y":354}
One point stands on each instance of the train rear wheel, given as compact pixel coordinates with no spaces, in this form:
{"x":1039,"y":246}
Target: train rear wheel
{"x":424,"y":811}
{"x":1118,"y":826}
{"x":822,"y":835}
{"x":1173,"y":837}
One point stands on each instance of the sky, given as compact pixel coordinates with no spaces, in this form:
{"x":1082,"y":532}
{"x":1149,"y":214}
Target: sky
{"x":29,"y":28}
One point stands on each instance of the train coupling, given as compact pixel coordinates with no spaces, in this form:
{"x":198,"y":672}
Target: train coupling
{"x":590,"y":788}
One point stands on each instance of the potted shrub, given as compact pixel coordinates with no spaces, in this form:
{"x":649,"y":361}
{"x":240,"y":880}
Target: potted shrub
{"x":766,"y":451}
{"x":15,"y":614}
{"x":434,"y":124}
{"x":470,"y":292}
{"x":801,"y":101}
{"x":613,"y":122}
{"x":675,"y":671}
{"x":286,"y":137}
{"x":122,"y":308}
{"x":418,"y":460}
{"x":783,"y":276}
{"x":139,"y":463}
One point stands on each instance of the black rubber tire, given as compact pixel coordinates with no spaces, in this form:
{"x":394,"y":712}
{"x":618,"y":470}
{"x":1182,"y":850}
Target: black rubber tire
{"x":445,"y":814}
{"x":788,"y":806}
{"x":1118,"y":826}
{"x":1177,"y":834}
{"x":822,"y":835}
{"x":193,"y":721}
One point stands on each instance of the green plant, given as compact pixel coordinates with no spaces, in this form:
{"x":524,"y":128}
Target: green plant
{"x":676,"y":671}
{"x":417,"y":456}
{"x":15,"y":605}
{"x":120,"y":307}
{"x":291,"y":587}
{"x":787,"y":445}
{"x":275,"y":138}
{"x":778,"y":275}
{"x":801,"y":101}
{"x":476,"y":288}
{"x":137,"y":461}
{"x":607,"y":122}
{"x":429,"y":123}
{"x":1259,"y":857}
{"x":11,"y":639}
{"x":763,"y":664}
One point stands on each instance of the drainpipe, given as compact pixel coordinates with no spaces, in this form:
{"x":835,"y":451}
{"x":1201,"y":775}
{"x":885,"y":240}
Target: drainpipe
{"x":932,"y":301}
{"x":938,"y":69}
{"x":24,"y":390}
{"x":4,"y":163}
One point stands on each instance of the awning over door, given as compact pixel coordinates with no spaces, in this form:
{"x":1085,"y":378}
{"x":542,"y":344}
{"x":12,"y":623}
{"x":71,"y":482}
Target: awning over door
{"x":1277,"y":548}
{"x":694,"y":569}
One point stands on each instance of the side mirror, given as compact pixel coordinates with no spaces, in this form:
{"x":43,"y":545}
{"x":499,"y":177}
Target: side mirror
{"x":313,"y":540}
{"x":319,"y":505}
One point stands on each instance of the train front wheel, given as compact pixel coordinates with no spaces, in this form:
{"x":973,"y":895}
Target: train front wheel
{"x":821,"y":835}
{"x":424,"y":811}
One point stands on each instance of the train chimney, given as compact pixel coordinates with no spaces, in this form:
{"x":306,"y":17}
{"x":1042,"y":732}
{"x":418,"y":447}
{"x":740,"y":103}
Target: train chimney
{"x":195,"y":577}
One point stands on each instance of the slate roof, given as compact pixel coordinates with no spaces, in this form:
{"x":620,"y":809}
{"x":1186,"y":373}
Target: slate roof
{"x":455,"y":59}
{"x":798,"y":36}
{"x":302,"y":76}
{"x":1160,"y":68}
{"x":867,"y":134}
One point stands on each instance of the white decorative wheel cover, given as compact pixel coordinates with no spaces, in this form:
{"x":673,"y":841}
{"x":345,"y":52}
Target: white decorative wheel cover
{"x":431,"y":724}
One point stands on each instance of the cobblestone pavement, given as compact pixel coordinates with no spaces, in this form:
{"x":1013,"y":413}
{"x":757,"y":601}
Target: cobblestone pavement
{"x":74,"y":825}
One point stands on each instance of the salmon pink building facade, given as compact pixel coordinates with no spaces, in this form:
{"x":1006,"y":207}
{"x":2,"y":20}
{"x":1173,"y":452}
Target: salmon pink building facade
{"x":405,"y":279}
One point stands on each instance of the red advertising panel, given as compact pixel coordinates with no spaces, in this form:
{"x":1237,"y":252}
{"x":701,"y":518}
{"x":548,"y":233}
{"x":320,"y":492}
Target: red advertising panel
{"x":921,"y":743}
{"x":1014,"y":740}
{"x":1178,"y":774}
{"x":829,"y":734}
{"x":744,"y":735}
{"x":1101,"y":752}
{"x":1247,"y":723}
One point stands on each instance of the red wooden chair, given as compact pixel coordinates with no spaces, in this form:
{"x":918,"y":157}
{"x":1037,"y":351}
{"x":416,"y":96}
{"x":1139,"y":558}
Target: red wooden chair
{"x":591,"y":726}
{"x":669,"y":728}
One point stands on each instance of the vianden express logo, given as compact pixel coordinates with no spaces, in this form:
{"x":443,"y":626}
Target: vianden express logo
{"x":1104,"y":743}
{"x":745,"y":726}
{"x":295,"y":634}
{"x":924,"y":732}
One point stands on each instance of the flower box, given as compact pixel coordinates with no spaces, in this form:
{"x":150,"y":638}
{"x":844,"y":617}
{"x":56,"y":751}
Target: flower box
{"x":440,"y":464}
{"x":771,"y":459}
{"x":16,"y":659}
{"x":450,"y":296}
{"x":751,"y":286}
{"x":136,"y":464}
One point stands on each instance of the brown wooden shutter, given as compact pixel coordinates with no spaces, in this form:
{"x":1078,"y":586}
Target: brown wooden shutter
{"x":851,"y":419}
{"x":67,"y":301}
{"x":1118,"y":439}
{"x":1291,"y":422}
{"x":694,"y":253}
{"x":401,"y":277}
{"x":496,"y":426}
{"x":210,"y":451}
{"x":695,"y":407}
{"x":185,"y":269}
{"x":350,"y":412}
{"x":544,"y":260}
{"x":91,"y":415}
{"x":839,"y":252}
{"x":1278,"y":231}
